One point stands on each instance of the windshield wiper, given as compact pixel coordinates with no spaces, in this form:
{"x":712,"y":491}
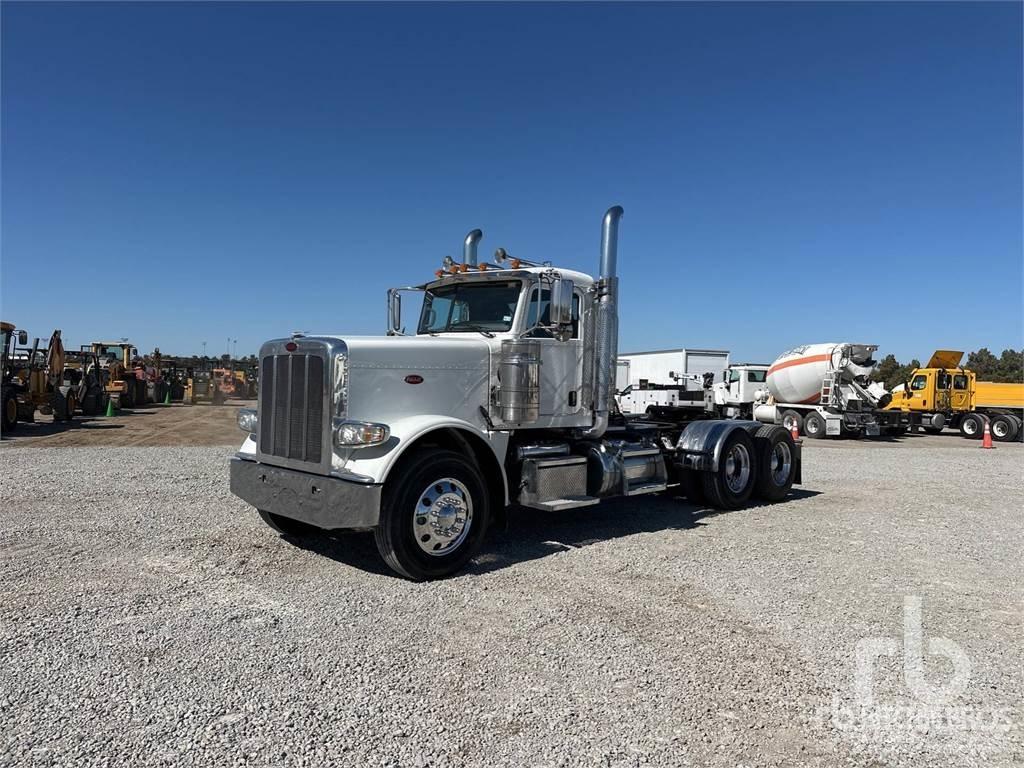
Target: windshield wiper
{"x":471,"y":327}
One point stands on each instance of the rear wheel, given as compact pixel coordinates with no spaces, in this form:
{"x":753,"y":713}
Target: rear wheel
{"x":433,"y":516}
{"x":972,"y":425}
{"x":791,"y":419}
{"x":776,"y":463}
{"x":1004,"y":428}
{"x":731,"y":484}
{"x":814,"y":425}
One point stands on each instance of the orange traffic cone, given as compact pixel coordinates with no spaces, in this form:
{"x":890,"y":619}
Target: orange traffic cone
{"x":986,"y":438}
{"x":795,"y":431}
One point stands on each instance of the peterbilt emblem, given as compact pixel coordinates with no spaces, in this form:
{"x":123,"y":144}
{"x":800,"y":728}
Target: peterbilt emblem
{"x":413,"y":378}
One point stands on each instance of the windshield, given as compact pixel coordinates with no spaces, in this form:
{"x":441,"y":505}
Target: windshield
{"x":469,"y":307}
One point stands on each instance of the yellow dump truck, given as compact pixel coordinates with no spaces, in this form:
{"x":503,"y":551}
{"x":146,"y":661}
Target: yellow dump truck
{"x":944,"y":394}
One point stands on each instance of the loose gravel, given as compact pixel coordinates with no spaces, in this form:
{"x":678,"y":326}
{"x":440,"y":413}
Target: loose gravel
{"x":150,"y":618}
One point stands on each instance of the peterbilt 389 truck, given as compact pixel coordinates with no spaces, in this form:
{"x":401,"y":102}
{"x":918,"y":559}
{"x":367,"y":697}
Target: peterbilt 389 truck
{"x":502,"y":396}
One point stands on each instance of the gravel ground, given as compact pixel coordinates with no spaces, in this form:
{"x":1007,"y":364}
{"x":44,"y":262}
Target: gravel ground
{"x":150,"y":618}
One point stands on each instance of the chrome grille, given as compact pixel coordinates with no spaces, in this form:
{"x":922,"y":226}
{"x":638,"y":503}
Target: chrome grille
{"x":292,"y":407}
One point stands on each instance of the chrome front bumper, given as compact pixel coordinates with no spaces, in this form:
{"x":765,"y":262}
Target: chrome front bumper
{"x":326,"y":502}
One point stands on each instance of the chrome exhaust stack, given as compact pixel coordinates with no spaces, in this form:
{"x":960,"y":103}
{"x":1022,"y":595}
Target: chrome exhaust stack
{"x":469,"y":247}
{"x":607,"y":323}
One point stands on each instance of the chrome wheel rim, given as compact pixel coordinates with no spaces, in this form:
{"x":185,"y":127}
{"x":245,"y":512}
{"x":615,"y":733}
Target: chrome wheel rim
{"x":737,"y":468}
{"x":999,"y":428}
{"x":781,"y":462}
{"x":789,"y":422}
{"x":442,"y":517}
{"x":970,"y":427}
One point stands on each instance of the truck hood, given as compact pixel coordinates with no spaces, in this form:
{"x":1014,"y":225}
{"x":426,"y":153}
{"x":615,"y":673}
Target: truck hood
{"x":449,"y":351}
{"x":391,"y":378}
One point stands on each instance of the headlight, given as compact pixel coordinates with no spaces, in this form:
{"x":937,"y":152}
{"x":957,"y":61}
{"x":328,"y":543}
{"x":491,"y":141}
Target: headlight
{"x":359,"y":434}
{"x":247,"y":420}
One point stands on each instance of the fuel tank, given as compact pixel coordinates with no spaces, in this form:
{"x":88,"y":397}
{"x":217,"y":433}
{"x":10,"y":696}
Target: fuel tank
{"x":796,"y":375}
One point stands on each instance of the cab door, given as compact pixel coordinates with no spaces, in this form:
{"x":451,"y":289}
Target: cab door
{"x":960,"y":394}
{"x":921,"y":391}
{"x":943,"y":386}
{"x":561,"y":369}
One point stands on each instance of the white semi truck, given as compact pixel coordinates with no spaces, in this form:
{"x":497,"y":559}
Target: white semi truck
{"x":503,"y":395}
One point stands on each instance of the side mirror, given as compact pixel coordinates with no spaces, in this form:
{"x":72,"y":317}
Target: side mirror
{"x":23,"y":338}
{"x":561,"y":302}
{"x":394,"y":313}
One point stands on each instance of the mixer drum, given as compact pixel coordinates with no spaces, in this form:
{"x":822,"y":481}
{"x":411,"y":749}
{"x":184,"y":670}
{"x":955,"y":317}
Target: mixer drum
{"x":795,"y":377}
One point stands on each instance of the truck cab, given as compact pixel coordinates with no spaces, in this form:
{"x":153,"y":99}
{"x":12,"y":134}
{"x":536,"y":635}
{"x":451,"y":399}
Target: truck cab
{"x":741,"y":386}
{"x":499,"y":391}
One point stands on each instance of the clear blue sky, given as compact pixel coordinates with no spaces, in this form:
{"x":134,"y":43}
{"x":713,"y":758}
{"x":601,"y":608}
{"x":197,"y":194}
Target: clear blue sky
{"x":790,"y":173}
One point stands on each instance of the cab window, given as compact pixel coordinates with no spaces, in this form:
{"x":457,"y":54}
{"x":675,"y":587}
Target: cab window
{"x":540,"y":301}
{"x":942,"y":381}
{"x":920,"y":382}
{"x":757,"y":377}
{"x":734,"y":376}
{"x":960,"y":381}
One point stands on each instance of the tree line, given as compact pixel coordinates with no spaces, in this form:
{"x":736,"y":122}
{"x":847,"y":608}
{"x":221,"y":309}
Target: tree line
{"x":1009,"y":366}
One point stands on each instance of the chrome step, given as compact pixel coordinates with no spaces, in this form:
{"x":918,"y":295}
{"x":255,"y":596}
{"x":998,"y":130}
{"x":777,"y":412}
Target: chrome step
{"x":571,"y":502}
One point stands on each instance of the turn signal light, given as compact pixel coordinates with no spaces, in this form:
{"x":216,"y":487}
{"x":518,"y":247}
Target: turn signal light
{"x":438,"y":273}
{"x":514,"y":263}
{"x":464,"y":267}
{"x":482,"y":267}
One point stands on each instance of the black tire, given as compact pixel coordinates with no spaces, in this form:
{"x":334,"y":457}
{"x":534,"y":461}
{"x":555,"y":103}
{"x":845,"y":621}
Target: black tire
{"x":1004,"y":428}
{"x":730,"y":486}
{"x":10,"y":415}
{"x":70,"y":406}
{"x":406,"y":536}
{"x":286,"y":526}
{"x":791,"y":417}
{"x":776,"y":463}
{"x":126,"y":400}
{"x":814,"y":425}
{"x":1020,"y":426}
{"x":972,"y":426}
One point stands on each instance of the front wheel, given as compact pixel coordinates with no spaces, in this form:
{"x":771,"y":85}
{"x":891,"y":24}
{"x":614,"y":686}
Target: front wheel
{"x":433,"y":516}
{"x":731,"y":484}
{"x":10,"y":412}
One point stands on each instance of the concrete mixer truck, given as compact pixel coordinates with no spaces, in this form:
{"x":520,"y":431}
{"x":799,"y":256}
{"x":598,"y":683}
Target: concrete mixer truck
{"x":822,"y":389}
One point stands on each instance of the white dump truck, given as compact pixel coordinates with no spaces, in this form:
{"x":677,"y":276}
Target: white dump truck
{"x":502,"y":395}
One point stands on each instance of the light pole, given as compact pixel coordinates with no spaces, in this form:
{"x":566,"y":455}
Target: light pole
{"x":234,"y":351}
{"x":204,"y":349}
